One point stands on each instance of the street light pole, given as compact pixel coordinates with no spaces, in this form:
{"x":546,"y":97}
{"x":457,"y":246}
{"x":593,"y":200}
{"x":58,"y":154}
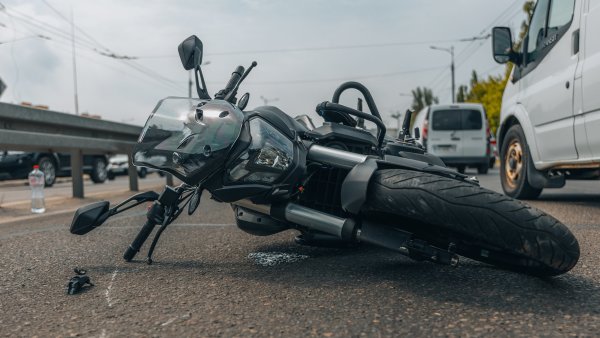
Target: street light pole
{"x":397,"y":116}
{"x":451,"y":51}
{"x":266,"y":101}
{"x":452,"y":69}
{"x":190,"y":83}
{"x":74,"y":63}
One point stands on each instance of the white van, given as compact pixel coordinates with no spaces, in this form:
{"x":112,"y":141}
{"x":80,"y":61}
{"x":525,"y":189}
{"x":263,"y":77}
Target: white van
{"x":550,"y":118}
{"x":457,"y":133}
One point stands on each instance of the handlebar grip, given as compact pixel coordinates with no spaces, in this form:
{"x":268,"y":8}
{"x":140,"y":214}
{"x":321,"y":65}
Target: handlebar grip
{"x":324,"y":106}
{"x":139,"y":240}
{"x":235,"y":77}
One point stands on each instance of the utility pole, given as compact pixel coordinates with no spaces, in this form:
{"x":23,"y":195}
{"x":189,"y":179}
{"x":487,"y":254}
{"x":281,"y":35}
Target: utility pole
{"x":190,"y":85}
{"x":74,"y":62}
{"x":451,"y":51}
{"x":397,"y":116}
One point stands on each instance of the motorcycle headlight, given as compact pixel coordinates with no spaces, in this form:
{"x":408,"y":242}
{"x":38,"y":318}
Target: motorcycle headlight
{"x":268,"y":156}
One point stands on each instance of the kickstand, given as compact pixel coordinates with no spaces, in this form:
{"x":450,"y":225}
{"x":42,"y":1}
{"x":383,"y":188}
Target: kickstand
{"x":167,"y":220}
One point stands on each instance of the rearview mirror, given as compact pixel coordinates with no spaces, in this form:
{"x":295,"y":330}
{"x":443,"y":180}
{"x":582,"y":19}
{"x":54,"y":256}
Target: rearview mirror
{"x":190,"y":52}
{"x":243,"y":102}
{"x":502,"y":45}
{"x":88,"y":217}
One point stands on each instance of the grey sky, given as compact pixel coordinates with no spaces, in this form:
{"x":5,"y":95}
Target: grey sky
{"x":40,"y":71}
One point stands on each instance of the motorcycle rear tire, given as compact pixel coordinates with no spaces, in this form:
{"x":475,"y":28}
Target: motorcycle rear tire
{"x":484,"y":225}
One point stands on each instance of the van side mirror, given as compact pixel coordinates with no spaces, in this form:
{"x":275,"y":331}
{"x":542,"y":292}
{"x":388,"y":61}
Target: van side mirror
{"x":502,"y":46}
{"x":190,"y":52}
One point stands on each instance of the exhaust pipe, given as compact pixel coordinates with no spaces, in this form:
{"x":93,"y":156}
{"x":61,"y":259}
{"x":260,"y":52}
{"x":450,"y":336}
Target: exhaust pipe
{"x":342,"y":228}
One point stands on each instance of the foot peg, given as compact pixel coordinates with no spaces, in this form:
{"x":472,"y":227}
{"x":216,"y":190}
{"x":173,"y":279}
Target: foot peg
{"x":420,"y":250}
{"x":404,"y":243}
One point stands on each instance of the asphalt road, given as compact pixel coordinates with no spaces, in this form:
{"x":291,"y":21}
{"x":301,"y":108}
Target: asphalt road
{"x":206,"y":282}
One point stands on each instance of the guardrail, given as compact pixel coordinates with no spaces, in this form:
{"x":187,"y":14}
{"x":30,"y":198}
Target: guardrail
{"x":31,"y":129}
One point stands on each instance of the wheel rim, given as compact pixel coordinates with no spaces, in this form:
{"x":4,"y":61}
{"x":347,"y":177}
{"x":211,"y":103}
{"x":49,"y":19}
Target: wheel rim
{"x":49,"y":172}
{"x":101,"y":170}
{"x":513,"y":164}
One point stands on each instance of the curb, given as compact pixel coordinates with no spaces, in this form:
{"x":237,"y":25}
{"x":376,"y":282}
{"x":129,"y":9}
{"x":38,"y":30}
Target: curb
{"x":71,"y":209}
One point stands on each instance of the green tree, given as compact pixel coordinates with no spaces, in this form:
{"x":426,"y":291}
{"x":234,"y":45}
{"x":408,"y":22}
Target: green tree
{"x":423,"y":97}
{"x":488,"y":92}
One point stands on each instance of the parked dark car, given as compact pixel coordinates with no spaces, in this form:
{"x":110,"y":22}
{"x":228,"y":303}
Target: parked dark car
{"x":18,"y":164}
{"x":119,"y":165}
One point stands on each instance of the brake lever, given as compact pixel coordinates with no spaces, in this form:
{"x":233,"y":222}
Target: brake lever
{"x":143,"y":197}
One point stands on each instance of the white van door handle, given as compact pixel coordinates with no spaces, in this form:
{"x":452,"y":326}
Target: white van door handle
{"x":453,"y":136}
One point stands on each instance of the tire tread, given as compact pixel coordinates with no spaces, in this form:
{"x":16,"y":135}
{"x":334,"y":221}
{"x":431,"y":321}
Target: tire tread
{"x":513,"y":227}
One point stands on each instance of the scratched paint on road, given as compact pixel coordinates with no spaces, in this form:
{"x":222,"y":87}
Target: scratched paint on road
{"x":275,"y":258}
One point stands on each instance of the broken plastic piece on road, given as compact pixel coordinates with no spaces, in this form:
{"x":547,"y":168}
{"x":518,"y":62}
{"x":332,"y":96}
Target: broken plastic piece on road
{"x":77,"y":283}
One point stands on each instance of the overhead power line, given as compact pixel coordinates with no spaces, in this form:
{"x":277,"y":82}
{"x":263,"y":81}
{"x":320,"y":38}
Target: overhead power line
{"x":89,"y":43}
{"x":317,"y":49}
{"x":348,"y":78}
{"x":469,"y":50}
{"x":76,"y":27}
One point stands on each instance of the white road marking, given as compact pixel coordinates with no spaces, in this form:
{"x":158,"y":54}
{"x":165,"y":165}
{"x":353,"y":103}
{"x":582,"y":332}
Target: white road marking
{"x":107,"y":292}
{"x":188,"y":315}
{"x":168,"y":321}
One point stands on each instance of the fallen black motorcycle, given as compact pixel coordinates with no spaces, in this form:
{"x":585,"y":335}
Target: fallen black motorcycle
{"x":335,"y":183}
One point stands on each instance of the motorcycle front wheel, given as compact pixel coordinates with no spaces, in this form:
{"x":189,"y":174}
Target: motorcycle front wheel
{"x":483,"y":225}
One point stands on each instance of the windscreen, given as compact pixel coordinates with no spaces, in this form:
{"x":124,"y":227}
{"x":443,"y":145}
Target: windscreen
{"x":457,"y":119}
{"x":188,"y":136}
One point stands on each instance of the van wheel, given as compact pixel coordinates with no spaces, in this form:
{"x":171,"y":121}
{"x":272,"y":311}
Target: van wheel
{"x":461,"y":169}
{"x":514,"y":159}
{"x":483,"y":168}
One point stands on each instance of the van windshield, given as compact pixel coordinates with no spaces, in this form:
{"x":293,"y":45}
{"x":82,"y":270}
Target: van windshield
{"x":456,"y":119}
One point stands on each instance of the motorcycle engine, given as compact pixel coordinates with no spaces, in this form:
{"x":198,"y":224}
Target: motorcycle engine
{"x":323,"y":190}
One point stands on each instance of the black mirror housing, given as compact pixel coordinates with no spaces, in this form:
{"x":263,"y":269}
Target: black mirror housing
{"x":89,"y":217}
{"x":190,"y":52}
{"x":243,"y":102}
{"x":502,"y":46}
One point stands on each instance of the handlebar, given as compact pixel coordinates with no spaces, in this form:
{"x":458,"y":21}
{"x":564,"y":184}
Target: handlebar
{"x":235,"y":77}
{"x":381,"y":130}
{"x":361,"y":88}
{"x":146,"y":230}
{"x":139,"y":240}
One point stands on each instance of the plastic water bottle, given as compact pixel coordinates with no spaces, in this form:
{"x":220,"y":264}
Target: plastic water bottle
{"x":37,"y":182}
